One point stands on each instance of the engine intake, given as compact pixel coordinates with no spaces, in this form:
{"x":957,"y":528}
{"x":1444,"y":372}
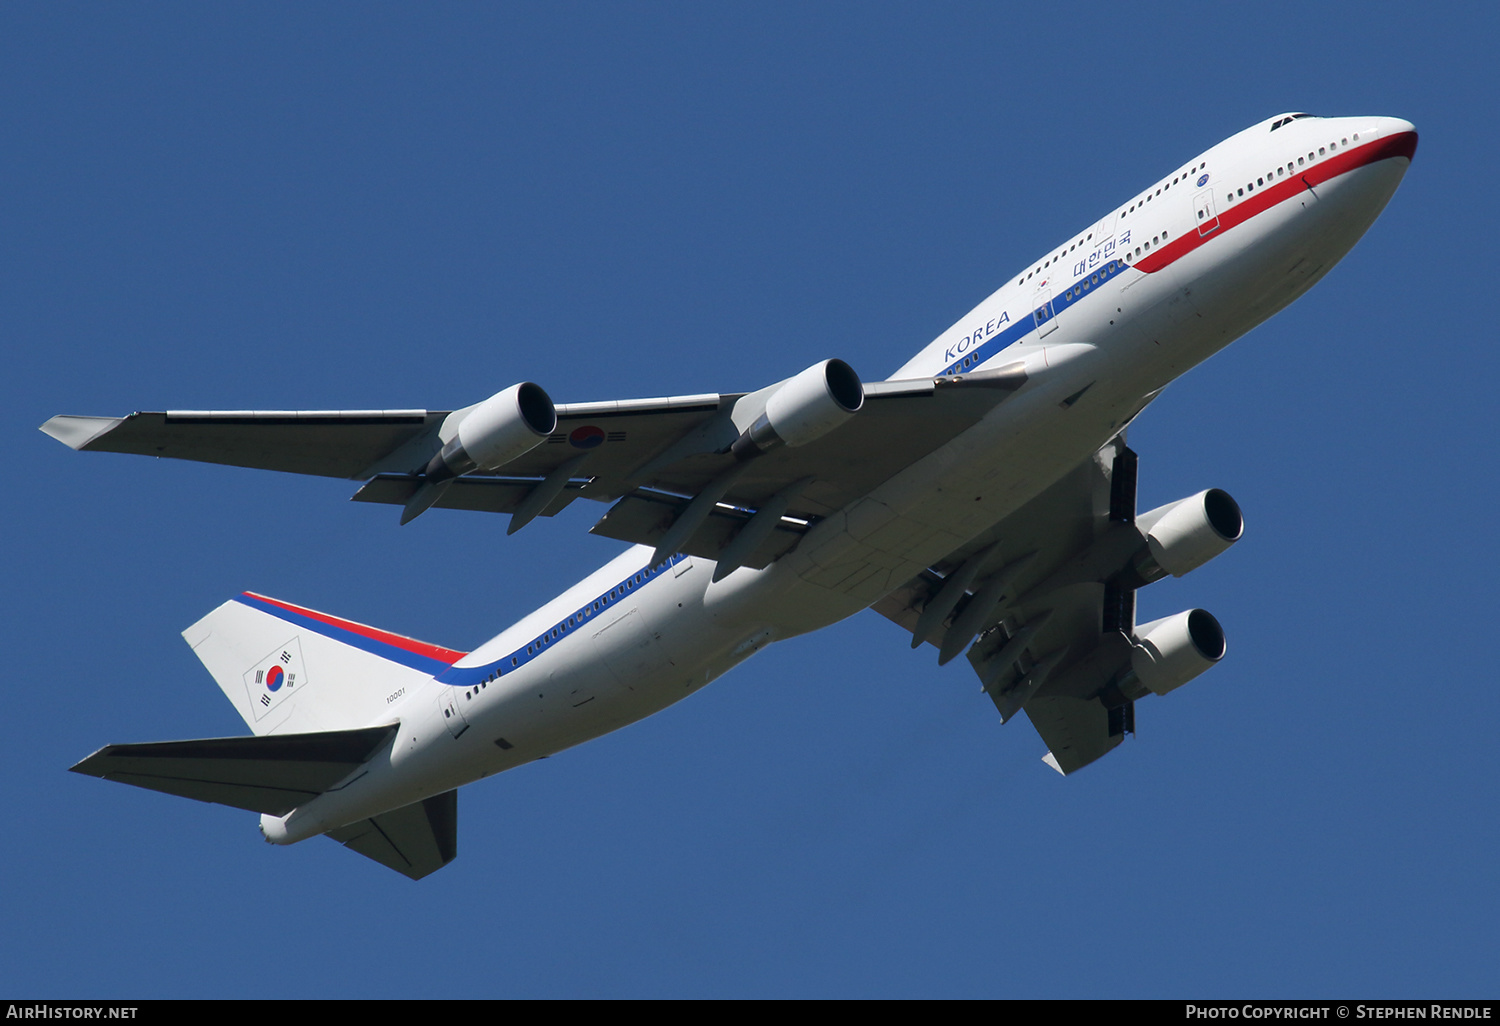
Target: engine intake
{"x":506,"y":425}
{"x":1170,"y":652}
{"x":804,"y":408}
{"x":1183,"y":535}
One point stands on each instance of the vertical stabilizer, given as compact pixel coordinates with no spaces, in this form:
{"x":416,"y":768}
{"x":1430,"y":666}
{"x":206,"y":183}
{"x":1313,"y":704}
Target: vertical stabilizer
{"x":288,"y":669}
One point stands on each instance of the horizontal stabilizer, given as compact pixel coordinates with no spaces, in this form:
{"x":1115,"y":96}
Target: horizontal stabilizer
{"x":414,"y":840}
{"x":271,"y":774}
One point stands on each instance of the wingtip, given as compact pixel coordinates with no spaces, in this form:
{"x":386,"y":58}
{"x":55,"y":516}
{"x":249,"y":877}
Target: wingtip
{"x":77,"y":432}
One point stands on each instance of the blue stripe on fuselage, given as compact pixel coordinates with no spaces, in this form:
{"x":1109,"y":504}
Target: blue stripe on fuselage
{"x":467,"y":676}
{"x":1061,"y":300}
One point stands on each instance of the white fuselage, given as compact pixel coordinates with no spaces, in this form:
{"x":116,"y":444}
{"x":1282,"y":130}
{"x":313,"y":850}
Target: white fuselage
{"x":1103,"y":323}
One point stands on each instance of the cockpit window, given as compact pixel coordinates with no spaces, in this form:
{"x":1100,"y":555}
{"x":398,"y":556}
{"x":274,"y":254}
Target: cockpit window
{"x":1288,"y":120}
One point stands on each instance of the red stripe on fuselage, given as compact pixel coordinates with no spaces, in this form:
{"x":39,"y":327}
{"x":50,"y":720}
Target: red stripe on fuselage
{"x":422,"y":648}
{"x":1403,"y":144}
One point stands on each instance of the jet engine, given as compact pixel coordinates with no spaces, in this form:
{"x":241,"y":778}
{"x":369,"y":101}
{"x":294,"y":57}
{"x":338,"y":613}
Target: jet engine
{"x":804,"y":408}
{"x":506,"y":425}
{"x":1183,"y":535}
{"x":1172,"y":651}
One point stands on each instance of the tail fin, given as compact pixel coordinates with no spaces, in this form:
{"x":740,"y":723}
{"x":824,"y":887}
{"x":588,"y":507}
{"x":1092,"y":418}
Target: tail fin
{"x":287,"y":669}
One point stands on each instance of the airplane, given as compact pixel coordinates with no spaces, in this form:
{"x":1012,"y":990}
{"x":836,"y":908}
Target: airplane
{"x":982,"y":497}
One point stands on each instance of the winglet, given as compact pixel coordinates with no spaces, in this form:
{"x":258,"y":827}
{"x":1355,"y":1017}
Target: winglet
{"x":78,"y":432}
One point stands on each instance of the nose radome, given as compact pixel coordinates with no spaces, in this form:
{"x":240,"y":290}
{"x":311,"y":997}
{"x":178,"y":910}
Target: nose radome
{"x":1393,"y":128}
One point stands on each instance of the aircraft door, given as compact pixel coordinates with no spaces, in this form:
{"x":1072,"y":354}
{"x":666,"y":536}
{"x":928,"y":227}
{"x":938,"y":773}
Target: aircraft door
{"x":453,"y":714}
{"x":1043,"y":313}
{"x":1203,"y":209}
{"x":1104,"y":230}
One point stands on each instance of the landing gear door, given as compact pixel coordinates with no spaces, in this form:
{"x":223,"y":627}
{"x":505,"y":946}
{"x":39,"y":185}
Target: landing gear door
{"x":1207,"y":216}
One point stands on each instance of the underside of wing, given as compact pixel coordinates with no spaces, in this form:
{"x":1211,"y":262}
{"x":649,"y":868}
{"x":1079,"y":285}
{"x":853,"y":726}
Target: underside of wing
{"x":270,"y":774}
{"x":1077,"y":730}
{"x":900,"y":423}
{"x":1047,"y":598}
{"x":702,"y":495}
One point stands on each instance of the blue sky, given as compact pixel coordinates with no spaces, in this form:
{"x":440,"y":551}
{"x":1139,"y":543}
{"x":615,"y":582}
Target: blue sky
{"x":376,"y":206}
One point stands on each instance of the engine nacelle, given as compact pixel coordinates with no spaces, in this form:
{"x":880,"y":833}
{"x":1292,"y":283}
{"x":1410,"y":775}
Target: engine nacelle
{"x":1170,"y":652}
{"x":804,"y":408}
{"x":1183,"y":535}
{"x":506,"y":425}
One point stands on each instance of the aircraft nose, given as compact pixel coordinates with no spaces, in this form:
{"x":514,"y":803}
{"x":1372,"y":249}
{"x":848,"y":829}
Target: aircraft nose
{"x":1394,"y":126}
{"x":1402,"y":130}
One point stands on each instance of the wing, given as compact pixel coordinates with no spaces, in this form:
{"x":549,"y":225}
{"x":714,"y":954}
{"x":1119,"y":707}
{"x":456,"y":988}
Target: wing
{"x":329,"y":443}
{"x":651,"y":458}
{"x":1050,"y":594}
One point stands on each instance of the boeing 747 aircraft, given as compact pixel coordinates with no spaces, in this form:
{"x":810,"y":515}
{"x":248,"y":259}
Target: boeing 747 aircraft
{"x":983,"y":498}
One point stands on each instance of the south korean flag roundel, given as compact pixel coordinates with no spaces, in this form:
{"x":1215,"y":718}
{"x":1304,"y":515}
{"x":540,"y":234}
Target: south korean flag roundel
{"x":275,"y":678}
